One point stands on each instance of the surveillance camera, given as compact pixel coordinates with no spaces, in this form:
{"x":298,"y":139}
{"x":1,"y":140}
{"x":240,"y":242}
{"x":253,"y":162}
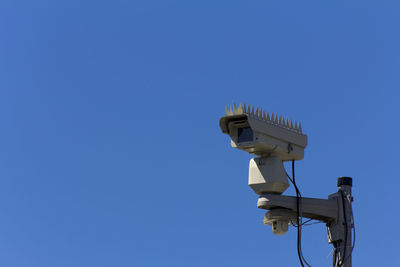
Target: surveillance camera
{"x":280,"y":227}
{"x":279,"y":219}
{"x":273,"y":140}
{"x":260,"y":134}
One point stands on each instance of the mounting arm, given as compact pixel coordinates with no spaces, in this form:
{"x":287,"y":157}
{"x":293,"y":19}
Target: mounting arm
{"x":324,"y":210}
{"x":336,"y":212}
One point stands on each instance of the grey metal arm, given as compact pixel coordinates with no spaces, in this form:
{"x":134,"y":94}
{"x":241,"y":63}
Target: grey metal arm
{"x":336,"y":212}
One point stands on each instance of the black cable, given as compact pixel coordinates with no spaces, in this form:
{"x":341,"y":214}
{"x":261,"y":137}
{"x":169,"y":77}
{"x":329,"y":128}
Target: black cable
{"x":298,"y":218}
{"x":338,"y":259}
{"x":300,"y":215}
{"x":352,"y":224}
{"x":335,"y":255}
{"x":306,"y":223}
{"x":343,"y":257}
{"x":297,"y":213}
{"x":311,"y":223}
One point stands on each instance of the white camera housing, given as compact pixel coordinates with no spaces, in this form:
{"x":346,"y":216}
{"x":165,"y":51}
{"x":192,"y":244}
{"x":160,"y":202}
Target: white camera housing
{"x":260,"y":134}
{"x":280,"y":227}
{"x":279,"y":219}
{"x":272,"y":139}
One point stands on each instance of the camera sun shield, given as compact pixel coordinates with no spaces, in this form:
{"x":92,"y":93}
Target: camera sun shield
{"x":262,"y":134}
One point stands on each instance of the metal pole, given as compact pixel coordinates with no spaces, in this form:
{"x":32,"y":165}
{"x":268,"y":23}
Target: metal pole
{"x":345,"y":246}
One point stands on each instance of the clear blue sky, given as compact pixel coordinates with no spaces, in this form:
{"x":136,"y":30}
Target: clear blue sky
{"x":110,"y":149}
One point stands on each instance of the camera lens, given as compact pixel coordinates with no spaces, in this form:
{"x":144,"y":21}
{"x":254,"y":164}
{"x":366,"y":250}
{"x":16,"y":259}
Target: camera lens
{"x":245,"y":134}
